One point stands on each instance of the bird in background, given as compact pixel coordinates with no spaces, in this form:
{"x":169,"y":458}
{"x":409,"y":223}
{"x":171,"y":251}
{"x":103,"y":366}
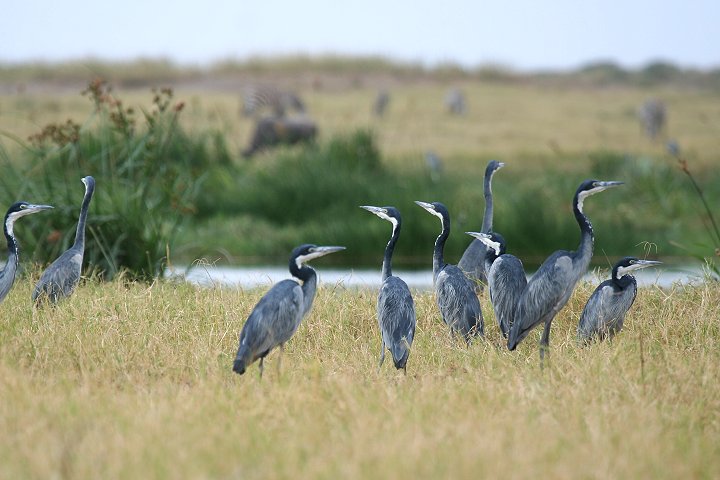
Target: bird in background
{"x":551,"y":286}
{"x":472,"y":261}
{"x":455,"y":294}
{"x":434,"y":164}
{"x":279,"y":312}
{"x":59,"y":280}
{"x":506,"y":278}
{"x":7,"y":274}
{"x":606,"y":308}
{"x":395,"y":308}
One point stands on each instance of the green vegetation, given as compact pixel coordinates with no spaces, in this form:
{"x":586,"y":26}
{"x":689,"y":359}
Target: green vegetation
{"x":127,"y":380}
{"x":200,"y":200}
{"x":148,"y":173}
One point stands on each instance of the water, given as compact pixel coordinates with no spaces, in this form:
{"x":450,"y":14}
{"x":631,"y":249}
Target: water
{"x":252,"y":277}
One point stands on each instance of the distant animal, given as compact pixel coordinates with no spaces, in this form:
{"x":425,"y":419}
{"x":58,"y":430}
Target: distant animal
{"x":395,"y":307}
{"x":434,"y":164}
{"x":7,"y":274}
{"x":551,"y":286}
{"x":652,"y":116}
{"x":381,"y":103}
{"x":262,"y":98}
{"x":472,"y":261}
{"x":506,"y":279}
{"x":455,"y":102}
{"x":63,"y":275}
{"x":272,"y":131}
{"x":606,"y":308}
{"x":279,"y":312}
{"x":455,"y":294}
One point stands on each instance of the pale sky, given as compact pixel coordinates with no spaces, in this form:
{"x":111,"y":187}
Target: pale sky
{"x":520,"y":34}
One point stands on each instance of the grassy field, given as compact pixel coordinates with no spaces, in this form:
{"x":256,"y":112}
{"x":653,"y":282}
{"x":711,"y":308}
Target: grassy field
{"x":135,"y":381}
{"x":526,"y":125}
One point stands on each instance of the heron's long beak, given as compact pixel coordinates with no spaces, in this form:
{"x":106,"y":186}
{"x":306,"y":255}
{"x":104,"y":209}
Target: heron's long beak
{"x":375,"y":210}
{"x":427,"y":206}
{"x":638,"y":264}
{"x":480,"y":236}
{"x":35,"y":209}
{"x":609,"y":184}
{"x":321,"y":251}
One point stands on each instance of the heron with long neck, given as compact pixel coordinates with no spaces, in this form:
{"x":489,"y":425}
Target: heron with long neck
{"x":472,"y":261}
{"x":395,"y":308}
{"x":455,"y":294}
{"x":59,"y":280}
{"x":506,"y":278}
{"x":7,"y":274}
{"x":605,"y":311}
{"x":551,"y":286}
{"x":279,"y":312}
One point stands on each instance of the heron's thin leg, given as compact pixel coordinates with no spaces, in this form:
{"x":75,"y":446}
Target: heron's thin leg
{"x":261,"y":365}
{"x":282,"y":351}
{"x":545,"y":343}
{"x":382,"y":355}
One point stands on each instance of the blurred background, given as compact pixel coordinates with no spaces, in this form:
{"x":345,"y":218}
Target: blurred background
{"x":228,"y":132}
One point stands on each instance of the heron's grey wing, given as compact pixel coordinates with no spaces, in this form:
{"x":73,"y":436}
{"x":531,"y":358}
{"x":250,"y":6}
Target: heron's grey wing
{"x":61,"y":277}
{"x":605,"y":311}
{"x":273,"y":320}
{"x":506,"y":282}
{"x":396,"y":316}
{"x":545,"y":294}
{"x":457,"y":301}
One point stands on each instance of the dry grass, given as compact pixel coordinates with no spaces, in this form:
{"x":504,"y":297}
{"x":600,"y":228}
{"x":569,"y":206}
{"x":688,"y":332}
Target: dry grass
{"x":521,"y":123}
{"x":131,"y":381}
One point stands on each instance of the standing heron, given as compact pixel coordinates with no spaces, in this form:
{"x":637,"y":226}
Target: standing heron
{"x":605,"y":310}
{"x":455,"y":294}
{"x":62,"y":276}
{"x":395,"y":308}
{"x":472,"y":261}
{"x":279,"y":312}
{"x":7,"y":274}
{"x":506,"y":278}
{"x":550,"y":288}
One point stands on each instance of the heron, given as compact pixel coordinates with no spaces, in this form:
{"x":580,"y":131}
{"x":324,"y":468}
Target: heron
{"x":472,"y":261}
{"x":506,"y":278}
{"x":59,"y":280}
{"x":550,"y":287}
{"x":395,"y":308}
{"x":279,"y":312}
{"x":455,"y":294}
{"x":605,"y":310}
{"x":7,"y":274}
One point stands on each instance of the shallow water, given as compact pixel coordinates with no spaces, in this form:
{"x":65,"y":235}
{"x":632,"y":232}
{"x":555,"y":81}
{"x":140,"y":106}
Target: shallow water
{"x":251,"y":277}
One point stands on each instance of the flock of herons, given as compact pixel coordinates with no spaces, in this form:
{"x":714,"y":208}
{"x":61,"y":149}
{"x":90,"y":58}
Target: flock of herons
{"x":519,"y":304}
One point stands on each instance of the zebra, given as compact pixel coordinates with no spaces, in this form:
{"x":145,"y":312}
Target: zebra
{"x":257,"y":98}
{"x":652,"y":117}
{"x":455,"y":102}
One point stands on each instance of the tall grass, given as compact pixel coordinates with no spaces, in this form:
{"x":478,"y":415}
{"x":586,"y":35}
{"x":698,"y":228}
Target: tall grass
{"x":128,"y":380}
{"x":148,"y":173}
